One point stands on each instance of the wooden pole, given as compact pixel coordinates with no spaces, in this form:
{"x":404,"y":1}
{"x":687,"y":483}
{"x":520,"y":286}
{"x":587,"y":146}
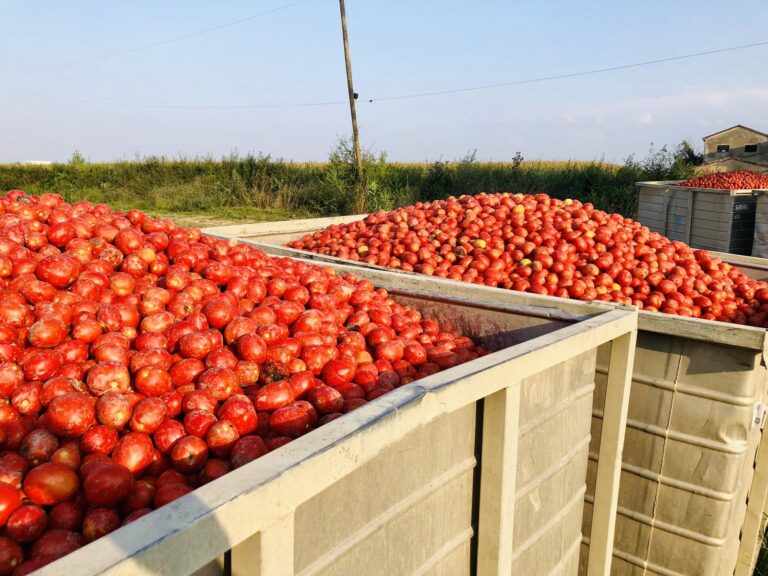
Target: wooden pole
{"x":348,"y":62}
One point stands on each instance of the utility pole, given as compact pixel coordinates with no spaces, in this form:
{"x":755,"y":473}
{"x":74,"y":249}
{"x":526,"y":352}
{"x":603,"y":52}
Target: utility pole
{"x":352,"y":95}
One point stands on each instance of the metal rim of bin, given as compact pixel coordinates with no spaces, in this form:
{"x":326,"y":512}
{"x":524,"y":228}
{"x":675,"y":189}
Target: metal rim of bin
{"x":217,"y":517}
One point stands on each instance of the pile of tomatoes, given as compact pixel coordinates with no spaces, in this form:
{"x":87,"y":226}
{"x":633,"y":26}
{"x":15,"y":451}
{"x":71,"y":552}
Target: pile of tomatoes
{"x":738,"y":180}
{"x":534,"y":243}
{"x":139,"y":360}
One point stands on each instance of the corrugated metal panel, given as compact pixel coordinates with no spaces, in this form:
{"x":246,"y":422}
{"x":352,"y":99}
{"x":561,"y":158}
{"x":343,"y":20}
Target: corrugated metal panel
{"x":690,"y":214}
{"x":686,"y":477}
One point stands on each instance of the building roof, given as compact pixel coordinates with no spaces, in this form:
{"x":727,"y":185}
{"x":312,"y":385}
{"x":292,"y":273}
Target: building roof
{"x":732,"y":159}
{"x":737,"y":126}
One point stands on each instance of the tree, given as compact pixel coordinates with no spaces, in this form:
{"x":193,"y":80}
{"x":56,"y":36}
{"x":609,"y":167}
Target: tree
{"x":686,"y":155}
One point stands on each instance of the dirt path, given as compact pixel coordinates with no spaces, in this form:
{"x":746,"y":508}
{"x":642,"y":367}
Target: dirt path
{"x":199,"y":220}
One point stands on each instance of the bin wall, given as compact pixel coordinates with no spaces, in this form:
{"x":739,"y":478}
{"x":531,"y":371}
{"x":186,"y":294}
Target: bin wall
{"x":760,"y":244}
{"x":689,"y":455}
{"x":719,"y":220}
{"x":409,"y":510}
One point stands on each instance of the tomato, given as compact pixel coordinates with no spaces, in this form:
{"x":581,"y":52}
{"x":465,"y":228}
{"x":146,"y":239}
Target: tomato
{"x":27,"y":523}
{"x":729,"y":181}
{"x":99,"y":522}
{"x":10,"y":500}
{"x":170,"y":492}
{"x":108,"y":377}
{"x":252,"y":347}
{"x":240,"y":411}
{"x":291,"y":420}
{"x":147,"y":415}
{"x":71,"y":414}
{"x":326,"y":399}
{"x":337,"y":373}
{"x":246,"y":449}
{"x":219,"y":313}
{"x":134,"y":451}
{"x":153,"y":381}
{"x":195,"y":345}
{"x":189,"y":454}
{"x":113,"y":409}
{"x":221,"y":437}
{"x":60,"y":271}
{"x":47,"y":333}
{"x":38,"y":447}
{"x":11,"y":556}
{"x":50,"y":483}
{"x":220,"y":383}
{"x":57,"y":543}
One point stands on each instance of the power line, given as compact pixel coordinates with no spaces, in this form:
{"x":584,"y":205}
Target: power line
{"x":169,"y":40}
{"x":388,"y":98}
{"x":569,"y":75}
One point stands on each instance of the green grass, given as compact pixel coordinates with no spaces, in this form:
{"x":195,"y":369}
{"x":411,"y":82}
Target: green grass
{"x":761,"y":568}
{"x":260,"y":188}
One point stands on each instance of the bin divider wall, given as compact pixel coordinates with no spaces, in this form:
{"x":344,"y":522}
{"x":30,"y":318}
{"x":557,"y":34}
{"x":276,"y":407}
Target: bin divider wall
{"x":501,"y":419}
{"x":610,"y":454}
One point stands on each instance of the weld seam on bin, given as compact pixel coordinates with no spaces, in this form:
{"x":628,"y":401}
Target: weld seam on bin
{"x":663,"y":384}
{"x":665,"y":446}
{"x":577,"y":498}
{"x":445,"y":550}
{"x":666,"y":526}
{"x":554,"y":469}
{"x":557,"y":409}
{"x":736,"y":448}
{"x":639,"y":562}
{"x":679,"y":484}
{"x":411,"y":500}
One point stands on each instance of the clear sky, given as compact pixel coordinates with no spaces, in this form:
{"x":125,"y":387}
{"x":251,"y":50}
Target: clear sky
{"x":295,"y":55}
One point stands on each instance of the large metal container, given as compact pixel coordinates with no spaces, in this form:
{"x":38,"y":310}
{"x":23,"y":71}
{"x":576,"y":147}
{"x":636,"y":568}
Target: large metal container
{"x":722,"y":220}
{"x":694,"y":477}
{"x":478,"y":469}
{"x":760,"y":242}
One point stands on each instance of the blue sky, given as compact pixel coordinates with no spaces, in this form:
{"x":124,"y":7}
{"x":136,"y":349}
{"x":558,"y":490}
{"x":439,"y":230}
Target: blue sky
{"x":398,"y":47}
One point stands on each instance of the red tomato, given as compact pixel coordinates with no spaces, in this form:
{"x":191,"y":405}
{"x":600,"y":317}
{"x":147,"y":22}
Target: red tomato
{"x":50,"y":483}
{"x":10,"y":500}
